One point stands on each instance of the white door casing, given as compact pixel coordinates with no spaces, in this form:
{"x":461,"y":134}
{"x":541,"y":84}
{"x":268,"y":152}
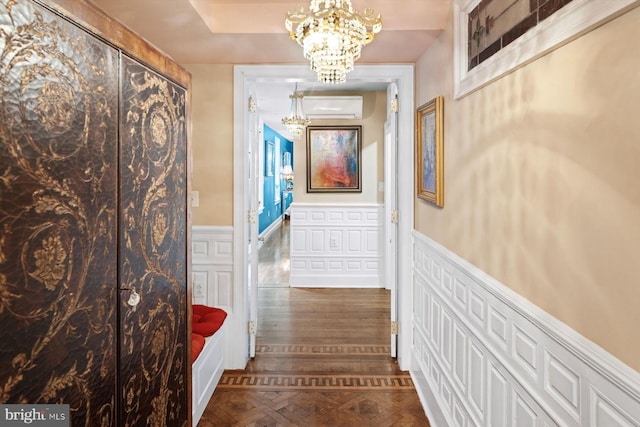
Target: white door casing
{"x":252,"y":198}
{"x":390,"y":209}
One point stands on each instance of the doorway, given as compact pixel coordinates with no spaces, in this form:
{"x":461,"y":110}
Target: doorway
{"x":274,"y":258}
{"x":275,"y":171}
{"x":245,"y":236}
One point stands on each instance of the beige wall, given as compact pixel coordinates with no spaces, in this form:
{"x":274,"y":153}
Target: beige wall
{"x":212,"y":143}
{"x":374,"y":114}
{"x":212,"y":147}
{"x":542,"y":173}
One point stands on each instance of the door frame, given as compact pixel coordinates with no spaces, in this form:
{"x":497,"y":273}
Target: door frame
{"x":390,"y":232}
{"x":244,"y":75}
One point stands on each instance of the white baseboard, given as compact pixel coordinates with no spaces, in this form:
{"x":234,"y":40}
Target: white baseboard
{"x":341,"y":280}
{"x":276,"y":224}
{"x":428,"y":400}
{"x":492,"y":358}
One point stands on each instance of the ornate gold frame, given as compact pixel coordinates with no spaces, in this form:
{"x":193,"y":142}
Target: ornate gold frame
{"x":430,"y":151}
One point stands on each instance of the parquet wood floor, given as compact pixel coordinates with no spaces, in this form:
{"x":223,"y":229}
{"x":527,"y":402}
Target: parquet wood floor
{"x":322,"y":359}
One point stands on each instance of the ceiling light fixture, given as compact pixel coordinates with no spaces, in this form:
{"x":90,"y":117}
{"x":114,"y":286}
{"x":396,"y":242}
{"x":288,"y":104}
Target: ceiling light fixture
{"x":332,"y":36}
{"x":296,"y":120}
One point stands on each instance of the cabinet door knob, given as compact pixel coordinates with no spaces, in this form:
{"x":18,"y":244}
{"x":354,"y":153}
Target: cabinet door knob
{"x":134,"y":299}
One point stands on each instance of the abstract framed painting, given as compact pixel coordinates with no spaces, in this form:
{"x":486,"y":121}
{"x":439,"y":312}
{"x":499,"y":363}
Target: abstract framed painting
{"x":333,"y":159}
{"x":430,"y":151}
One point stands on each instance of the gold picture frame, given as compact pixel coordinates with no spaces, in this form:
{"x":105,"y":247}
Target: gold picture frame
{"x":430,"y":151}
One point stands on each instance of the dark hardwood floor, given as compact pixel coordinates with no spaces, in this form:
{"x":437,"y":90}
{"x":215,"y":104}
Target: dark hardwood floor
{"x":322,"y":359}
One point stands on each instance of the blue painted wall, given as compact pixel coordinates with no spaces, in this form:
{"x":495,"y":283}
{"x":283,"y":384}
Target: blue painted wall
{"x":273,"y":210}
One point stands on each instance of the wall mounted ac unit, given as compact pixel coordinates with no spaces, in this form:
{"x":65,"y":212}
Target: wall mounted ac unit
{"x":332,"y":107}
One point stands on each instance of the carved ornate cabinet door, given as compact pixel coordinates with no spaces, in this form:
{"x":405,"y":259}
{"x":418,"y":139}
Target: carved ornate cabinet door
{"x":58,"y":179}
{"x":93,"y":219}
{"x":152,"y":249}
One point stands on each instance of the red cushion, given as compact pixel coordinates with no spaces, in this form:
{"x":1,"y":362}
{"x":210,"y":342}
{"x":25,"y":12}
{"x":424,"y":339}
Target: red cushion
{"x":201,"y":310}
{"x":209,"y":319}
{"x":197,"y":344}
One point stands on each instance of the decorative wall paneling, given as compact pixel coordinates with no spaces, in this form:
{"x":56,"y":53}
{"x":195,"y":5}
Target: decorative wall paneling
{"x":212,"y":274}
{"x":212,"y":269}
{"x":491,"y":358}
{"x":93,"y":160}
{"x":337,"y":245}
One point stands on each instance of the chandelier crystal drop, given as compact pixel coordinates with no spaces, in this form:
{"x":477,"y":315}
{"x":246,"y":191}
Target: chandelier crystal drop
{"x":332,"y":35}
{"x":296,"y":121}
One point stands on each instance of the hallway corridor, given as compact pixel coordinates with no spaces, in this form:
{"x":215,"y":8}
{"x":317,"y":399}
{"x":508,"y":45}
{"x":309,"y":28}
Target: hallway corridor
{"x":274,"y":260}
{"x":322,"y":359}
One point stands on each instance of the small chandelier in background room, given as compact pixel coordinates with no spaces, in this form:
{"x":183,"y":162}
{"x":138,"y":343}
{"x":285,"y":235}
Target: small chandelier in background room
{"x":332,"y":36}
{"x":296,"y":121}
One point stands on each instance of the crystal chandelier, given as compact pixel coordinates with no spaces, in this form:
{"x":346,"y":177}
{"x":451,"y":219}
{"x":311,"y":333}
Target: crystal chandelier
{"x":296,"y":121}
{"x":332,"y":36}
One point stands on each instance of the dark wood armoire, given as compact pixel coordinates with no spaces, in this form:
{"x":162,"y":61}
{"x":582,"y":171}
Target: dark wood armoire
{"x":94,"y":220}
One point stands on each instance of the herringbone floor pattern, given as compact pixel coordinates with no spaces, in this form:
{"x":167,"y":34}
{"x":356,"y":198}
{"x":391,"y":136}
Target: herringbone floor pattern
{"x":322,"y":359}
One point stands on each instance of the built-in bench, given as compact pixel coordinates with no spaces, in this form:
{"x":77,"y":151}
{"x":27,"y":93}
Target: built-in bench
{"x":207,"y":355}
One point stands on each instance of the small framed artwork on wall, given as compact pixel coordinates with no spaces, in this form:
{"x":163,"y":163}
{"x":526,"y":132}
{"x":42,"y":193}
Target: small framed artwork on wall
{"x":333,"y":159}
{"x":430,"y":151}
{"x":269,"y":159}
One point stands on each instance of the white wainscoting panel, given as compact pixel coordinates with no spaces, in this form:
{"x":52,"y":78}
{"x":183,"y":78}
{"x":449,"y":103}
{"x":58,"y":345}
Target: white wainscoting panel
{"x":491,"y":358}
{"x":336,"y":245}
{"x":212,"y":266}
